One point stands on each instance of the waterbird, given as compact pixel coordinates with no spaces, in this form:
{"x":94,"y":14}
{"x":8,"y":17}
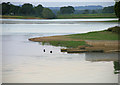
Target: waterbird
{"x":44,"y":50}
{"x":50,"y":51}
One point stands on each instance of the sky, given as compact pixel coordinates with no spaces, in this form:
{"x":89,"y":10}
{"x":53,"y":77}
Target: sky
{"x":60,"y":3}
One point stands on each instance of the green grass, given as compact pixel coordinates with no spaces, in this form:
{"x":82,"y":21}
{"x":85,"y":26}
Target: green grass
{"x":69,"y":44}
{"x":98,"y":35}
{"x":68,"y":16}
{"x":77,"y":16}
{"x":20,"y":17}
{"x":111,"y":21}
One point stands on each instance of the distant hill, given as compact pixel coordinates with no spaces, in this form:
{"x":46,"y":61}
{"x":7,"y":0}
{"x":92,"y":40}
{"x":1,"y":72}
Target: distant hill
{"x":88,"y":7}
{"x":80,"y":7}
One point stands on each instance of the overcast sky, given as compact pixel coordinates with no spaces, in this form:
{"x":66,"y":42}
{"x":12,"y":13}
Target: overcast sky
{"x":59,"y":3}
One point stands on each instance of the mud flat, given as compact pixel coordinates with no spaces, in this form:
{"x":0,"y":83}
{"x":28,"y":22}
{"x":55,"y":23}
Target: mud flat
{"x":95,"y":46}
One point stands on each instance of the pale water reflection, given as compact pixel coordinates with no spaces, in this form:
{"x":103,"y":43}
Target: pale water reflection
{"x":25,"y":62}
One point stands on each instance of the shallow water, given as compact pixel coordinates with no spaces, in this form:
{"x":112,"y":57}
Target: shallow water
{"x":25,"y":62}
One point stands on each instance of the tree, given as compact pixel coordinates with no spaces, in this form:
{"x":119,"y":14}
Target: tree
{"x":86,"y":11}
{"x":48,"y":14}
{"x":67,"y":10}
{"x":5,"y":8}
{"x":38,"y":10}
{"x":94,"y":12}
{"x":117,"y":9}
{"x":14,"y":9}
{"x":109,"y":9}
{"x":27,"y":9}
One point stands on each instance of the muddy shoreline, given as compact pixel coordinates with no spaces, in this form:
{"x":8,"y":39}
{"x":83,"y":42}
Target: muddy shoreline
{"x":92,"y":45}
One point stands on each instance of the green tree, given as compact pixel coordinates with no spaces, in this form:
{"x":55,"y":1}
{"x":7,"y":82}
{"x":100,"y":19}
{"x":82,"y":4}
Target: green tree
{"x":5,"y":8}
{"x":38,"y":10}
{"x":117,"y":9}
{"x":67,"y":10}
{"x":14,"y":9}
{"x":48,"y":14}
{"x":27,"y":9}
{"x":94,"y":12}
{"x":109,"y":9}
{"x":86,"y":11}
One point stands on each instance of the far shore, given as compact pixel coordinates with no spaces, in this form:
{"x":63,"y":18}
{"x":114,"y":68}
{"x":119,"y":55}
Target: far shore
{"x":52,"y":21}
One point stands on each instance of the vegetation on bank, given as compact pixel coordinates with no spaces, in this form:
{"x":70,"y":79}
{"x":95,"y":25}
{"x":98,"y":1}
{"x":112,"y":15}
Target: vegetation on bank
{"x":109,"y":34}
{"x":78,"y":16}
{"x":69,"y":44}
{"x":66,"y":16}
{"x":20,"y":17}
{"x":98,"y":35}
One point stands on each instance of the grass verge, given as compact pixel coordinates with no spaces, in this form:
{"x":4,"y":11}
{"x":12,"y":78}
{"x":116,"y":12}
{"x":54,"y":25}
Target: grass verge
{"x":69,"y":44}
{"x":98,"y":35}
{"x":78,"y":16}
{"x":20,"y":17}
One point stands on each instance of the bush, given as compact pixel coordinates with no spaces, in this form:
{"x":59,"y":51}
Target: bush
{"x":48,"y":14}
{"x":115,"y":29}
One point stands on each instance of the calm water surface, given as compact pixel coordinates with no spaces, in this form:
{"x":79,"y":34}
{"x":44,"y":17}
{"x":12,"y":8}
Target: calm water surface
{"x":25,"y":62}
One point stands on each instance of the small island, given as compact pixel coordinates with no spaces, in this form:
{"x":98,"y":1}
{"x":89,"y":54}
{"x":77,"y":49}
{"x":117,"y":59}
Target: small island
{"x":97,"y":41}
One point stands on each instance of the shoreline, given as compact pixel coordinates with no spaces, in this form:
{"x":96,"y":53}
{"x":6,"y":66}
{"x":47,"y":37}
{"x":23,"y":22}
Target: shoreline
{"x":41,"y":21}
{"x":75,"y":45}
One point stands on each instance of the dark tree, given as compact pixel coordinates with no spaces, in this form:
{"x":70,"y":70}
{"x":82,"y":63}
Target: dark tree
{"x":117,"y":9}
{"x":86,"y":11}
{"x":5,"y":8}
{"x":14,"y":10}
{"x":48,"y":14}
{"x":67,"y":10}
{"x":27,"y":9}
{"x":109,"y":9}
{"x":94,"y":12}
{"x":38,"y":10}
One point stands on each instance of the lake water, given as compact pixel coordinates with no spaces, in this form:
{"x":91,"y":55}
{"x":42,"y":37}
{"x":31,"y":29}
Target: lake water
{"x":25,"y":62}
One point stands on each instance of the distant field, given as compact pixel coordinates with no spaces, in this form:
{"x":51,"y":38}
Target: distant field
{"x":66,"y":16}
{"x":77,"y":16}
{"x":20,"y":17}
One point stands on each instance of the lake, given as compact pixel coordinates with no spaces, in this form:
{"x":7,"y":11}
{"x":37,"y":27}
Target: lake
{"x":25,"y":62}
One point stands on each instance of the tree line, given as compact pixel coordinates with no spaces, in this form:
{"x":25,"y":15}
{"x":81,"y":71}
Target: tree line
{"x":27,"y":9}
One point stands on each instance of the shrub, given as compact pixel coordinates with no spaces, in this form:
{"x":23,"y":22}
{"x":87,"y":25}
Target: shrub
{"x":115,"y":29}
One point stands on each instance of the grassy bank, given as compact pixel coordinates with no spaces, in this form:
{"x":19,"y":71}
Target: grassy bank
{"x":20,"y":17}
{"x":83,"y":16}
{"x":66,"y":16}
{"x":98,"y":35}
{"x":69,"y":44}
{"x":75,"y":40}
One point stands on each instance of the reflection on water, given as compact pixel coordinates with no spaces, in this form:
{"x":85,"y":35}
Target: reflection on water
{"x":101,"y":57}
{"x":116,"y":67}
{"x":25,"y":62}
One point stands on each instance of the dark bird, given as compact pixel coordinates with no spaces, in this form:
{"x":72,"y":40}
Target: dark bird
{"x":50,"y":51}
{"x":44,"y":50}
